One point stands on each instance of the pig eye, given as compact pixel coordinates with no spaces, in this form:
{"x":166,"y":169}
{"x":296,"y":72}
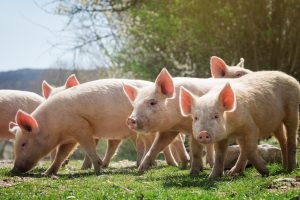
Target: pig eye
{"x":196,"y":118}
{"x":23,"y":144}
{"x":239,"y":74}
{"x":153,"y":102}
{"x":216,"y":116}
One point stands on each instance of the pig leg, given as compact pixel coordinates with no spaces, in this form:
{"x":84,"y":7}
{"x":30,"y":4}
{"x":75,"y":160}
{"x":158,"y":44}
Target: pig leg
{"x":196,"y":154}
{"x":140,"y":149}
{"x":250,"y":148}
{"x":85,"y":139}
{"x":161,"y":141}
{"x":182,"y":157}
{"x":53,"y":153}
{"x":241,"y":162}
{"x":63,"y":152}
{"x":220,"y":154}
{"x":110,"y":151}
{"x":291,"y":124}
{"x":210,"y":154}
{"x":169,"y":156}
{"x":281,"y":137}
{"x":87,"y":163}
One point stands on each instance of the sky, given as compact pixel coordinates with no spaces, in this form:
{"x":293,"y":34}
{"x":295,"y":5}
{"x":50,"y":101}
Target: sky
{"x":27,"y":35}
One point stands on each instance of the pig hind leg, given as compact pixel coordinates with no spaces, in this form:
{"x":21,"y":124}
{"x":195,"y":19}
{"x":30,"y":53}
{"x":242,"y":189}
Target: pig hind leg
{"x":87,"y":163}
{"x":112,"y":146}
{"x":280,"y":135}
{"x":84,"y":137}
{"x":181,"y":155}
{"x":291,"y":124}
{"x":168,"y":154}
{"x":63,"y":152}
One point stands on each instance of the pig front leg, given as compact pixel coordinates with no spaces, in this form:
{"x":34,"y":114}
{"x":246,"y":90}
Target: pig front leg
{"x":161,"y":141}
{"x":87,"y":163}
{"x":210,"y":154}
{"x":250,"y":149}
{"x":196,"y":154}
{"x":241,"y":162}
{"x":110,"y":151}
{"x":220,"y":154}
{"x":140,"y":149}
{"x":63,"y":152}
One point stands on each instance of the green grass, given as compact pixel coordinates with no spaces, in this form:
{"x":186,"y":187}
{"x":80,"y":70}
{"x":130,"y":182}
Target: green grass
{"x":161,"y":182}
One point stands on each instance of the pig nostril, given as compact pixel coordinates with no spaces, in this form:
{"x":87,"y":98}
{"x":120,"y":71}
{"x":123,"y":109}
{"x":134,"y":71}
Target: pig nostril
{"x":207,"y":137}
{"x":200,"y":137}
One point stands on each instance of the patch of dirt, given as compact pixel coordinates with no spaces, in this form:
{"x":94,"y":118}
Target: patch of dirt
{"x":7,"y":183}
{"x":284,"y":184}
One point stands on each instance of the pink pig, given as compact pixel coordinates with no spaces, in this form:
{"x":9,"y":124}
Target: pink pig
{"x":219,"y":69}
{"x":10,"y":102}
{"x":246,"y":109}
{"x":156,"y":108}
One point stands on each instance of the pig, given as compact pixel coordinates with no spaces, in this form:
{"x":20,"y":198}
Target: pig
{"x":10,"y":102}
{"x":96,"y":109}
{"x":219,"y":69}
{"x":246,"y":109}
{"x":156,"y":108}
{"x":145,"y":141}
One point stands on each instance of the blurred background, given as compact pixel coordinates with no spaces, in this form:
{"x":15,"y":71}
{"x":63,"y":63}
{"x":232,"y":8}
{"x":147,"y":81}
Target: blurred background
{"x":48,"y":40}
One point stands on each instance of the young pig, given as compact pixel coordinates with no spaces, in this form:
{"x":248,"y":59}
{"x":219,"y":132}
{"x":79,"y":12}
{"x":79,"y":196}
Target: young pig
{"x":96,"y":109}
{"x":246,"y":109}
{"x":219,"y":69}
{"x":10,"y":102}
{"x":156,"y":108}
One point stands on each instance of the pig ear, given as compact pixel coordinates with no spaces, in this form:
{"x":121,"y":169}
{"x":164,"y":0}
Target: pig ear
{"x":26,"y":122}
{"x":46,"y":89}
{"x":185,"y":101}
{"x":164,"y":83}
{"x":241,"y":63}
{"x":227,"y":98}
{"x":130,"y":91}
{"x":71,"y":81}
{"x":12,"y":127}
{"x":218,"y":67}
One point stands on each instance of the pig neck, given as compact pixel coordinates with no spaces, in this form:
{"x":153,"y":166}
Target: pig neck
{"x":197,"y":86}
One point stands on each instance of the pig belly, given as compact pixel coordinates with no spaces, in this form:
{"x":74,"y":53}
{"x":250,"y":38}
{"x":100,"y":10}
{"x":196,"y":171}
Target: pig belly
{"x":114,"y":132}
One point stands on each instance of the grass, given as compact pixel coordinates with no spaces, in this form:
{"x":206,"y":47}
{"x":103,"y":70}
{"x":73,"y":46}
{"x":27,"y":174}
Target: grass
{"x":123,"y":181}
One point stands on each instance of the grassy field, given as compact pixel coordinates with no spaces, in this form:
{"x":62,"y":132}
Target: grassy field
{"x":123,"y":181}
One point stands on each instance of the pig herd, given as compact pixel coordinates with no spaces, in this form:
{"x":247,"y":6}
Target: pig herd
{"x":235,"y":105}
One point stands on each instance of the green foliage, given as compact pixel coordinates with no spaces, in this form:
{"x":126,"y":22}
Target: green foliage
{"x":127,"y":183}
{"x":182,"y":35}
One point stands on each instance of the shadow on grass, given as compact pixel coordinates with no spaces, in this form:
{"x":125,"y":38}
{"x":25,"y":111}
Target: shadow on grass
{"x":200,"y":181}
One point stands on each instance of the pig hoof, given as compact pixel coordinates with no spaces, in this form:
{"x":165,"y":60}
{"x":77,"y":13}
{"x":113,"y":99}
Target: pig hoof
{"x":104,"y":165}
{"x":194,"y":172}
{"x":213,"y":177}
{"x":65,"y":163}
{"x":86,"y":166}
{"x":143,"y":167}
{"x":234,"y":172}
{"x":50,"y":175}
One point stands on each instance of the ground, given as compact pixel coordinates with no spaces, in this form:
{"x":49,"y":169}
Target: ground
{"x":123,"y":181}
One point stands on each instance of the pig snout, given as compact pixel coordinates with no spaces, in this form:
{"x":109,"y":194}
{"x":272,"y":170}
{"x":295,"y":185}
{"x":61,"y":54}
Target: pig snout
{"x":16,"y":170}
{"x":132,"y":123}
{"x":204,"y":137}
